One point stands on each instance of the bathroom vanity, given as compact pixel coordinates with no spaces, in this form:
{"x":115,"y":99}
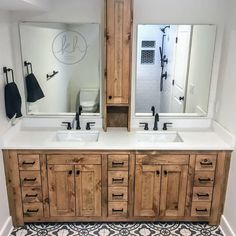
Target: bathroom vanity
{"x":120,"y":175}
{"x":52,"y":184}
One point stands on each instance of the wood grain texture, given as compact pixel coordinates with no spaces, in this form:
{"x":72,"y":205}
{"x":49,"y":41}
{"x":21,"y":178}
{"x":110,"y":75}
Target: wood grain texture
{"x":219,"y":192}
{"x":13,"y":187}
{"x":162,"y":159}
{"x":104,"y":186}
{"x":118,"y":50}
{"x":173,"y":190}
{"x":44,"y":178}
{"x":88,"y":190}
{"x":170,"y":188}
{"x":117,"y":116}
{"x":191,"y":172}
{"x":61,"y":186}
{"x":131,"y":185}
{"x":147,"y":190}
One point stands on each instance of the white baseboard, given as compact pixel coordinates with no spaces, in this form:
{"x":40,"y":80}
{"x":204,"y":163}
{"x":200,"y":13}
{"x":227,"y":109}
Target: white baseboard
{"x":7,"y":227}
{"x":225,"y":227}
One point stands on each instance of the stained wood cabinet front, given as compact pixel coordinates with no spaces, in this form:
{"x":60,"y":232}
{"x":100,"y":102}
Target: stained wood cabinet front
{"x":61,"y":186}
{"x":160,"y":190}
{"x":173,"y":190}
{"x":74,"y":190}
{"x":118,"y":51}
{"x":147,"y":190}
{"x":46,"y":186}
{"x":88,"y":190}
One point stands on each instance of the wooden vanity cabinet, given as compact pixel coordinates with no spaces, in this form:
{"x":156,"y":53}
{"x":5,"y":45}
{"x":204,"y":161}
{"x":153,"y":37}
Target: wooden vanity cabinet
{"x":161,"y":185}
{"x":64,"y":186}
{"x":74,"y":185}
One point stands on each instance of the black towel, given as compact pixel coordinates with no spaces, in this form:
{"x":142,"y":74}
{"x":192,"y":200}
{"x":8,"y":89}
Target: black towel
{"x":12,"y":100}
{"x":34,"y":92}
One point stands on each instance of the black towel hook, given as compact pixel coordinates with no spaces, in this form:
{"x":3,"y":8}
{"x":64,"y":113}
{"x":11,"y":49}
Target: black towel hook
{"x":27,"y":64}
{"x":6,"y":70}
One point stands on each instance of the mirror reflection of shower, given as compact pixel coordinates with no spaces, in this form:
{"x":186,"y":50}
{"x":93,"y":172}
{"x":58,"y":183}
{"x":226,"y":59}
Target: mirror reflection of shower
{"x":169,"y":60}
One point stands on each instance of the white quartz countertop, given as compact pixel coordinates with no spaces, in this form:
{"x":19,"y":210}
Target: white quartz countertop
{"x":113,"y":139}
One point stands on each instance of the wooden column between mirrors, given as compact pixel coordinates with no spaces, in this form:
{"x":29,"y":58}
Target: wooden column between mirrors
{"x":117,"y":72}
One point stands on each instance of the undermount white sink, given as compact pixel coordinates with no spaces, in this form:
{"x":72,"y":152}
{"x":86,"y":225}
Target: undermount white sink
{"x":158,"y":137}
{"x":77,"y":136}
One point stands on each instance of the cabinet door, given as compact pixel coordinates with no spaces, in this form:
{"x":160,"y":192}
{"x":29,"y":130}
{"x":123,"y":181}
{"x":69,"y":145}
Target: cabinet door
{"x":61,"y":190}
{"x":88,"y":190}
{"x":147,"y":190}
{"x":118,"y":50}
{"x":173,"y":190}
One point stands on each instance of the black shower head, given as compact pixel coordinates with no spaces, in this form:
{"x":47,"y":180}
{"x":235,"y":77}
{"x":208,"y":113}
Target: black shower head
{"x":164,"y":29}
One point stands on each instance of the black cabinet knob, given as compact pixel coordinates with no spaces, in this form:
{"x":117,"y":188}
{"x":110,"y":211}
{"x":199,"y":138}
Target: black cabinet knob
{"x":78,"y":172}
{"x":158,"y":172}
{"x":70,"y":172}
{"x":110,"y":97}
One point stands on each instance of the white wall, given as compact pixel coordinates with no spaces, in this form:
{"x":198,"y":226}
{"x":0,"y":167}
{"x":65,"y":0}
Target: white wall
{"x":5,"y":60}
{"x":226,"y":108}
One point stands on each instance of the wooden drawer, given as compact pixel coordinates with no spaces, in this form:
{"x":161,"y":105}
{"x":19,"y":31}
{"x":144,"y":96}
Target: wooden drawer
{"x":117,"y":209}
{"x":205,"y":162}
{"x":203,"y":178}
{"x":118,"y":162}
{"x":117,"y":178}
{"x":117,"y":194}
{"x":33,"y":209}
{"x":29,"y":162}
{"x":73,"y":159}
{"x":30,"y":178}
{"x":202,"y":194}
{"x":201,"y":209}
{"x":31,"y":194}
{"x":162,"y":159}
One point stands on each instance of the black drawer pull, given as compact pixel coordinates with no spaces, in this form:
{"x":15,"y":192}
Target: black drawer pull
{"x":118,"y":180}
{"x":28,"y":163}
{"x":158,"y":172}
{"x":30,"y":180}
{"x":204,"y":179}
{"x":70,"y":172}
{"x":117,"y":210}
{"x":116,"y":164}
{"x":31,"y":195}
{"x":202,"y":195}
{"x":110,"y":97}
{"x":32,"y":211}
{"x":78,"y":172}
{"x":165,"y":172}
{"x":118,"y":195}
{"x":203,"y":163}
{"x":201,"y":210}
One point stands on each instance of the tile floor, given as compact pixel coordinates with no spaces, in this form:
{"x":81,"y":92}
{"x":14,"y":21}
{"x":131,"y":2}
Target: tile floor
{"x":118,"y":229}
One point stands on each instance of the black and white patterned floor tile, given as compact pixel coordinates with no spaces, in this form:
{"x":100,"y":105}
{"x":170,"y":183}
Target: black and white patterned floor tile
{"x":118,"y":229}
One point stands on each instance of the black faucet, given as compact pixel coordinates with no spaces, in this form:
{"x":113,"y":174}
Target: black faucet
{"x":153,"y":110}
{"x":156,"y":119}
{"x":89,"y":124}
{"x":77,"y":115}
{"x":165,"y":125}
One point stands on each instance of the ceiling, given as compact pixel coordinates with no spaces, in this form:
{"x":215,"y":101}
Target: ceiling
{"x":24,"y":5}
